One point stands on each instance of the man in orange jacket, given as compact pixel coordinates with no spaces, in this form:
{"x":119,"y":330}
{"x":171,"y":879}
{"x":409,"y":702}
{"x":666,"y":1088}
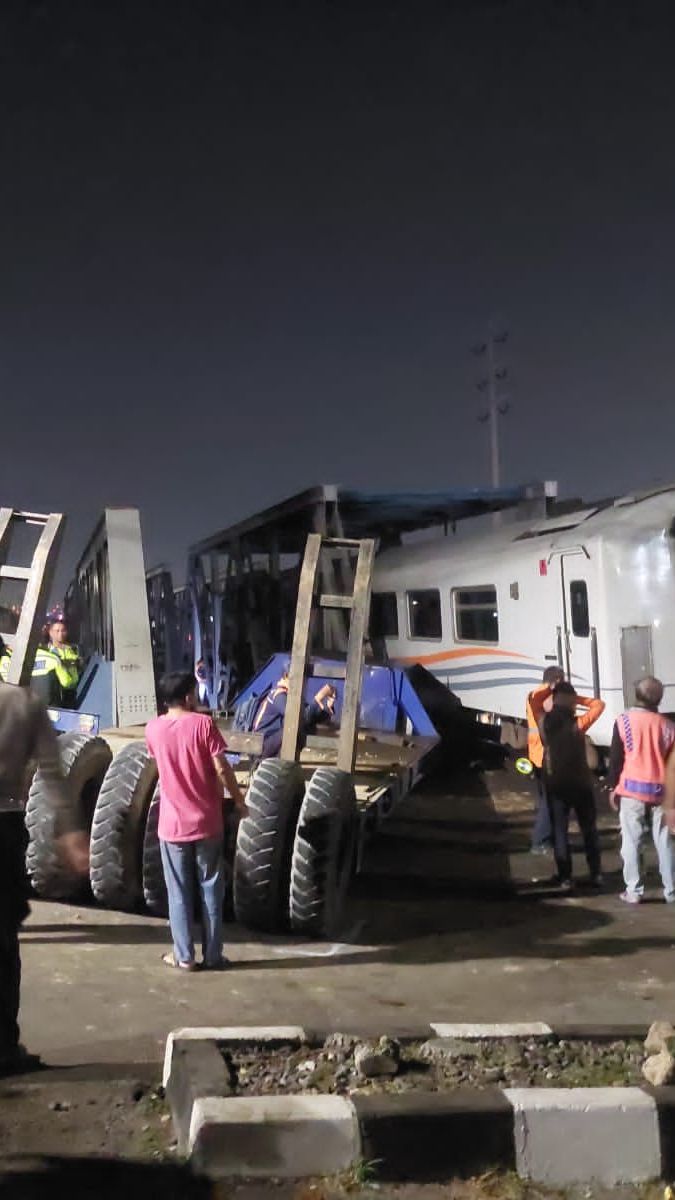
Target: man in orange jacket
{"x":542,"y":834}
{"x":540,"y":701}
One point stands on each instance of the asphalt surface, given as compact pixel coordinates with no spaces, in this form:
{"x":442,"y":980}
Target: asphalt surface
{"x":452,"y":919}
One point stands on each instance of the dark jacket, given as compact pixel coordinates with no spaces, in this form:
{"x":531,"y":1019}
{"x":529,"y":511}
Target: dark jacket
{"x":566,"y":768}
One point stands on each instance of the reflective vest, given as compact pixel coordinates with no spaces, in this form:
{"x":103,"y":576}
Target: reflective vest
{"x":49,"y":678}
{"x":647,"y":738}
{"x":69,"y":665}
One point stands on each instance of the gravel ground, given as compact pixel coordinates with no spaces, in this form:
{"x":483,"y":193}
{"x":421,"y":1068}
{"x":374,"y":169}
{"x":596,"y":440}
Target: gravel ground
{"x":434,"y":1066}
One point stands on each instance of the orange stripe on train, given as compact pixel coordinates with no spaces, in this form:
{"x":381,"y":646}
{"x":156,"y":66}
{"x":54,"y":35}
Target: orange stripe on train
{"x":472,"y":652}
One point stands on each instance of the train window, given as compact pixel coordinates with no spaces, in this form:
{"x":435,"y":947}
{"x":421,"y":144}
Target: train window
{"x":424,"y":613}
{"x":579,"y":606}
{"x":383,"y":615}
{"x":476,"y":614}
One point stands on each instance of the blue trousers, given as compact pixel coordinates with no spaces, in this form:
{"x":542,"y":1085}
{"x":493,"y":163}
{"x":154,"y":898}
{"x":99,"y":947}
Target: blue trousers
{"x":186,"y":864}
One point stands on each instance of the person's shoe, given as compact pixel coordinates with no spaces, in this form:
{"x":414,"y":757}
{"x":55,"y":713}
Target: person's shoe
{"x":223,"y":964}
{"x":597,"y":883}
{"x":20,"y":1062}
{"x":630,"y":898}
{"x":669,"y":899}
{"x":566,"y":885}
{"x":541,"y":848}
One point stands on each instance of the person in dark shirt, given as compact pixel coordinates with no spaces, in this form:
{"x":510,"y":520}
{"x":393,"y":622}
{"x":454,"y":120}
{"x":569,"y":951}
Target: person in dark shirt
{"x":26,"y":735}
{"x":269,"y":719}
{"x":569,"y":784}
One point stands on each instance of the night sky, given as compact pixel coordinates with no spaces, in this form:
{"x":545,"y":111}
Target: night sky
{"x":246,"y":247}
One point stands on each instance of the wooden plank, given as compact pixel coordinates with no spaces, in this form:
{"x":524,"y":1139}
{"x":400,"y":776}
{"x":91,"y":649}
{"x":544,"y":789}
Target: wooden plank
{"x":341,"y":543}
{"x":240,"y":741}
{"x":19,"y":573}
{"x":371,"y":762}
{"x":300,"y":651}
{"x":336,"y":601}
{"x":5,"y":525}
{"x":316,"y":741}
{"x":35,"y":601}
{"x":334,"y":626}
{"x":357,"y":634}
{"x":327,"y":670}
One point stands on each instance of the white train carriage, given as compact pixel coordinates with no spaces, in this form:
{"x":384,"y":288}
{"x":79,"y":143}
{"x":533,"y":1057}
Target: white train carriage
{"x":592,"y":590}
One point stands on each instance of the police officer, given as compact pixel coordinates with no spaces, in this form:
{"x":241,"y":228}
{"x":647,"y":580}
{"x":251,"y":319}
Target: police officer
{"x":26,"y":735}
{"x":51,"y":679}
{"x":69,"y":665}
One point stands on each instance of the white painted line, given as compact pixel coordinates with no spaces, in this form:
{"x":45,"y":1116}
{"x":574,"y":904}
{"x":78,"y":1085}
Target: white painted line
{"x":230,"y":1033}
{"x":333,"y":950}
{"x":580,"y":1135}
{"x":280,"y":1136}
{"x":505,"y":1030}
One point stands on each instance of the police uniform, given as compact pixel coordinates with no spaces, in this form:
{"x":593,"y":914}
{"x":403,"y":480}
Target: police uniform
{"x":26,"y":735}
{"x":66,"y":670}
{"x":69,"y":660}
{"x":54,"y":678}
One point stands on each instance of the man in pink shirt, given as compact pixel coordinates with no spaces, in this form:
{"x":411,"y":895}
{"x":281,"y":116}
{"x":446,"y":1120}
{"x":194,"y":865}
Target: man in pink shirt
{"x":193,"y":776}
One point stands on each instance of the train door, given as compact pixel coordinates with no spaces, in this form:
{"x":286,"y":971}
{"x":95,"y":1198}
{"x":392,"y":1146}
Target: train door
{"x":637,"y":659}
{"x":576,"y":634}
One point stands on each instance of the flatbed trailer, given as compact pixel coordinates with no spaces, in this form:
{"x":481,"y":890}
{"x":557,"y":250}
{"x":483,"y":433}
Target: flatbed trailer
{"x":311,"y":809}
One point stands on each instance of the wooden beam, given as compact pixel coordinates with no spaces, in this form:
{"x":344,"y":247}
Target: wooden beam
{"x":300,"y":651}
{"x":357,"y":635}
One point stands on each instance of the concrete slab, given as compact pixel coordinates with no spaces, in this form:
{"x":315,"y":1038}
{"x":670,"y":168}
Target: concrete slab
{"x":431,"y":1136}
{"x":197,"y":1069}
{"x":279,"y":1136}
{"x":533,"y":1029}
{"x":576,"y":1135}
{"x":230,"y":1033}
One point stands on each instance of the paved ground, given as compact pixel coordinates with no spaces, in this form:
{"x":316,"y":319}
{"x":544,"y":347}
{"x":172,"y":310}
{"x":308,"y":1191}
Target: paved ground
{"x":449,"y":920}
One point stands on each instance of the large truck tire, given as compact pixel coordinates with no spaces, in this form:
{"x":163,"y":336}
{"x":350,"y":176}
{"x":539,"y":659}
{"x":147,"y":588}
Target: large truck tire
{"x":85,"y":760}
{"x":323,"y":853}
{"x":230,"y":835}
{"x":117,"y":832}
{"x":262,"y":863}
{"x":154,"y":885}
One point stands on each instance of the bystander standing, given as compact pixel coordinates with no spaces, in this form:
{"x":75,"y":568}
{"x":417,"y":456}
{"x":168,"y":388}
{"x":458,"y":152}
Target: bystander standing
{"x":641,"y":744}
{"x":193,"y":776}
{"x":26,"y":735}
{"x":568,"y":779}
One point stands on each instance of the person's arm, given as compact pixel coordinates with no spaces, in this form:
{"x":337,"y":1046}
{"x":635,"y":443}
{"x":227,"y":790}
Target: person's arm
{"x":72,"y":839}
{"x":217,"y":749}
{"x":594,"y":710}
{"x":227,"y":777}
{"x":322,"y":707}
{"x":537,"y":701}
{"x":669,"y":794}
{"x":325,"y":697}
{"x":617,"y":757}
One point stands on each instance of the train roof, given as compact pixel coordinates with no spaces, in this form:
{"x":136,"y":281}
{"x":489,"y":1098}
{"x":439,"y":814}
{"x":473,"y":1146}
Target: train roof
{"x":599,"y":520}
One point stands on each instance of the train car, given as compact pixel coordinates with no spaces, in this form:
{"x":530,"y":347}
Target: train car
{"x":592,"y":590}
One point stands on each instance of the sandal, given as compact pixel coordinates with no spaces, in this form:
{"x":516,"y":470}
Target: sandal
{"x":170,"y":960}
